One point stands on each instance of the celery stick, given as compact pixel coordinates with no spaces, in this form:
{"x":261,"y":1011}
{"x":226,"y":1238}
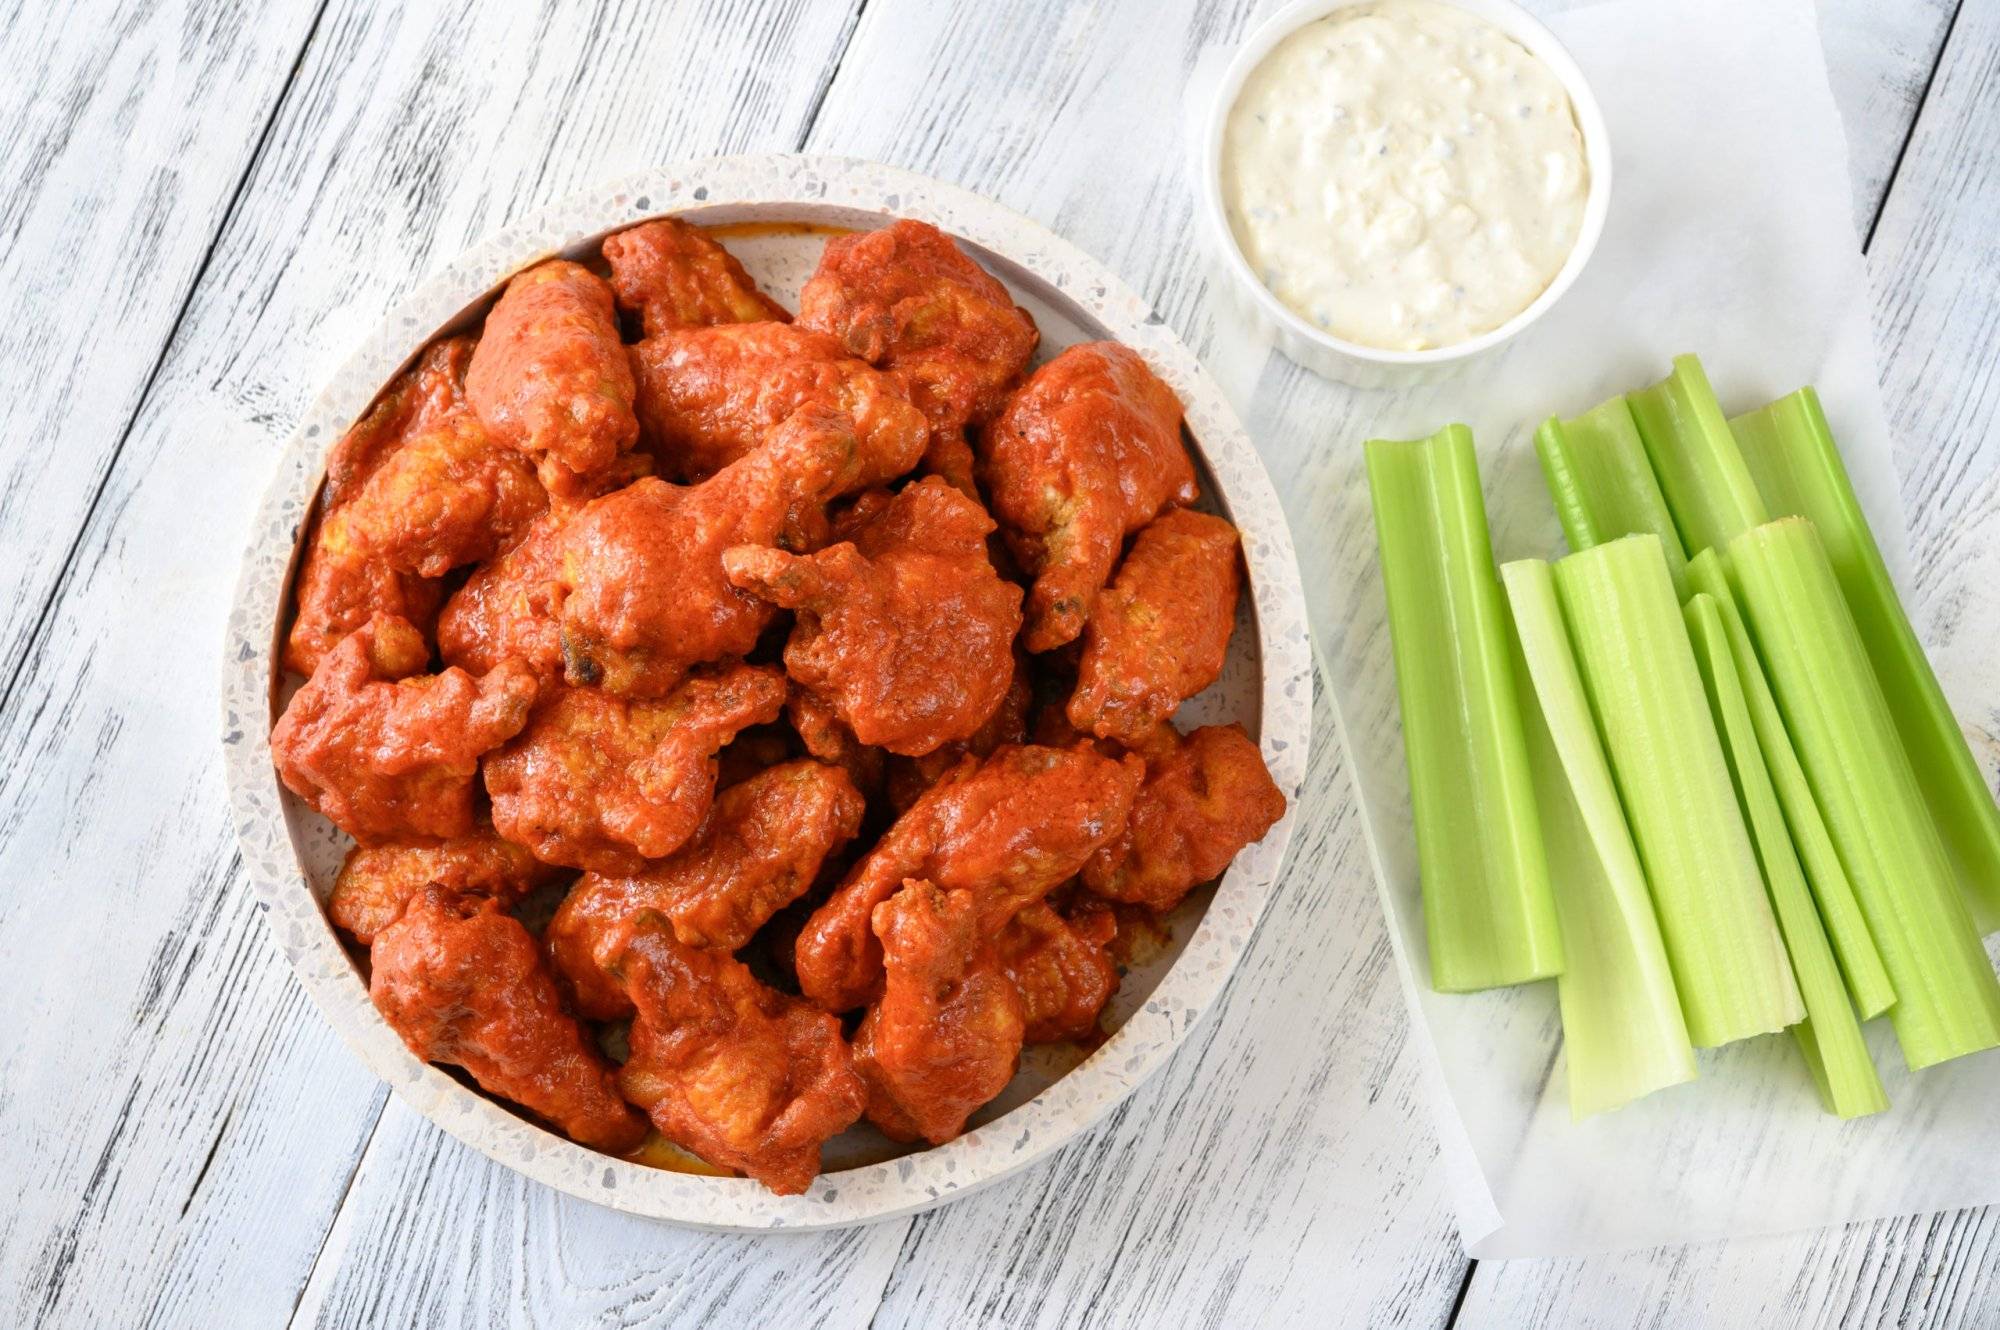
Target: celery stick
{"x":1702,"y":472}
{"x":1602,"y":484}
{"x":1830,"y":1036}
{"x":1947,"y":998}
{"x":1792,"y":454}
{"x":1632,"y":649}
{"x":1621,"y":1016}
{"x":1488,"y":914}
{"x":1867,"y":982}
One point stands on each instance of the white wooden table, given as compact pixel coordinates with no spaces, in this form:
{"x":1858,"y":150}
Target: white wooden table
{"x":202,"y":206}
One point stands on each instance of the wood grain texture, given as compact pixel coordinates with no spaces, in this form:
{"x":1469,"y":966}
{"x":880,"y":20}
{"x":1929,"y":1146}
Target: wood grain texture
{"x":179,"y":1126}
{"x":1935,"y":270}
{"x":129,"y":127}
{"x":434,"y":1234}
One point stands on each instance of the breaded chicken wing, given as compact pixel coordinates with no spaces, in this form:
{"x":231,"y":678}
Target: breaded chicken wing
{"x":760,"y":848}
{"x":908,"y":299}
{"x":1062,"y":965}
{"x":709,"y":396}
{"x":741,"y":1074}
{"x":1206,"y":796}
{"x":1088,"y":451}
{"x":904,"y":629}
{"x":822,"y":734}
{"x":674,"y":275}
{"x":507,"y":608}
{"x":463,"y":982}
{"x":605,"y":783}
{"x":1160,"y":632}
{"x":389,"y":753}
{"x":377,"y":881}
{"x":946,"y":1035}
{"x":1007,"y":828}
{"x":642,"y":568}
{"x":551,"y":377}
{"x":340,"y":587}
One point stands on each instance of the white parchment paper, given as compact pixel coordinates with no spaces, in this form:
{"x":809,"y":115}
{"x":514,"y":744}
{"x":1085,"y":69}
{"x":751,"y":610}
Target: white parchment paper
{"x":1730,"y":235}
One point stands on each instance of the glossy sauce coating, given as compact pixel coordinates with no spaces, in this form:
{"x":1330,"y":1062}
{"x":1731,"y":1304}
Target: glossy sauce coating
{"x":708,"y":396}
{"x":1008,"y":828}
{"x":605,"y":783}
{"x":672,"y":275}
{"x":907,"y":298}
{"x":1061,"y":962}
{"x":739,"y":1073}
{"x":903,"y":628}
{"x":1088,"y":451}
{"x":376,"y":882}
{"x":462,"y":982}
{"x":387,"y":753}
{"x":1159,"y":633}
{"x":551,"y":378}
{"x":946,"y":1035}
{"x":646,"y":594}
{"x":1206,"y":796}
{"x":758,"y":850}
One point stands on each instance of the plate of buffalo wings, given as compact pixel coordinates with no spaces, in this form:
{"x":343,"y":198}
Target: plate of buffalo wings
{"x":768,"y":695}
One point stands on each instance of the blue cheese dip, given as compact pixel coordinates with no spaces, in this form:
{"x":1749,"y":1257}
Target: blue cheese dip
{"x":1403,"y":175}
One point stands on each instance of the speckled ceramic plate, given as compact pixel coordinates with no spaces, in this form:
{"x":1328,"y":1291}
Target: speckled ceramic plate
{"x":776,"y":211}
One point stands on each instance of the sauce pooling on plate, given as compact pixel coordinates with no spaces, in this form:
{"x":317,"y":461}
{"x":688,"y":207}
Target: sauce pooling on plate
{"x":1403,"y":175}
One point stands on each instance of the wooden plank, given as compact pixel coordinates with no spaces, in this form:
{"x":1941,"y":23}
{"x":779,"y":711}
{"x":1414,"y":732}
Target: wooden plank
{"x":1935,"y":266}
{"x":129,"y":128}
{"x":435,"y":1234}
{"x":179,"y":1125}
{"x":1879,"y":60}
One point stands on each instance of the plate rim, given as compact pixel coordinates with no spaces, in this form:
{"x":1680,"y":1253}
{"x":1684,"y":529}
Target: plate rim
{"x":896,"y":1187}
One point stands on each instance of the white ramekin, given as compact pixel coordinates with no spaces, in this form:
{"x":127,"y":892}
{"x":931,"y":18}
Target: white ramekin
{"x":1351,"y":362}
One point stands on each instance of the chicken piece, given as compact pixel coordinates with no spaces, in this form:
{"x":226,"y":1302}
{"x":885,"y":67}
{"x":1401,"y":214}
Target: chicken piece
{"x":376,"y":882}
{"x":1008,"y":828}
{"x":709,"y":396}
{"x":1160,"y":632}
{"x":507,"y":608}
{"x":752,"y":750}
{"x":387,"y":752}
{"x":904,"y":629}
{"x":908,"y":299}
{"x":759,"y":850}
{"x":605,"y":783}
{"x":1062,"y":965}
{"x":946,"y":1036}
{"x":909,"y":777}
{"x":1087,"y":452}
{"x":822,"y":734}
{"x":673,"y":275}
{"x":1206,"y":796}
{"x":741,"y":1074}
{"x":463,"y":982}
{"x":448,"y":496}
{"x":339,"y":590}
{"x":551,"y":377}
{"x":646,"y":594}
{"x":341,"y":587}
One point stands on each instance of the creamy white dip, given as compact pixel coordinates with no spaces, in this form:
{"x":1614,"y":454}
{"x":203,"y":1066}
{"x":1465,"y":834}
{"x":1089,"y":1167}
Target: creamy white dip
{"x":1403,"y":175}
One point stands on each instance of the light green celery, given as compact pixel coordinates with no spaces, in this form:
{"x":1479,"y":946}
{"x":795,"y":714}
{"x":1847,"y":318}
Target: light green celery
{"x":1867,"y":982}
{"x":1603,"y":486}
{"x":1947,"y":998}
{"x":1488,"y":914}
{"x":1632,"y":650}
{"x":1621,"y":1016}
{"x":1702,"y":472}
{"x":1791,"y":453}
{"x":1830,"y":1036}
